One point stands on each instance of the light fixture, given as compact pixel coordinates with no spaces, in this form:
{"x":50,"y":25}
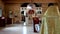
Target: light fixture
{"x":31,"y":6}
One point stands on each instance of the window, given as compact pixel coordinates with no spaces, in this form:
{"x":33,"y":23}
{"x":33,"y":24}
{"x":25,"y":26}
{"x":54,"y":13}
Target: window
{"x":39,"y":12}
{"x":22,"y":12}
{"x":0,"y":12}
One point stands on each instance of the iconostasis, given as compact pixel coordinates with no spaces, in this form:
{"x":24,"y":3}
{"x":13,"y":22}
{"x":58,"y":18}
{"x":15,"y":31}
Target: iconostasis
{"x":30,"y":13}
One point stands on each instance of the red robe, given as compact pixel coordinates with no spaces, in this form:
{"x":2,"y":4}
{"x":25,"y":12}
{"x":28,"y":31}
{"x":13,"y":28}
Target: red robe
{"x":35,"y":21}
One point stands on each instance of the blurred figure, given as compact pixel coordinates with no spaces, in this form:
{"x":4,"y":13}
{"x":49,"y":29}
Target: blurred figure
{"x":36,"y":23}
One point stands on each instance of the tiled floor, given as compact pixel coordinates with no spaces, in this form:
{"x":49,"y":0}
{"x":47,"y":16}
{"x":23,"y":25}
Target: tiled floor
{"x":17,"y":29}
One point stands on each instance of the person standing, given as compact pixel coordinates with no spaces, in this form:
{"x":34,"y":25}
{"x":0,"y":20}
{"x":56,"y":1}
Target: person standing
{"x":36,"y":23}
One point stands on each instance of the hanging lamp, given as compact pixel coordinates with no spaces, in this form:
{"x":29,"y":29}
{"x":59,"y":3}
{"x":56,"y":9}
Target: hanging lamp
{"x":31,"y":6}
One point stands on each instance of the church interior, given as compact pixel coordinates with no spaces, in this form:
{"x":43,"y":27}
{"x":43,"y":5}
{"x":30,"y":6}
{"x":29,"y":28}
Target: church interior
{"x":29,"y":16}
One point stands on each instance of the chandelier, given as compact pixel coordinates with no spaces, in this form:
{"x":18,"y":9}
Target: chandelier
{"x":31,"y":6}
